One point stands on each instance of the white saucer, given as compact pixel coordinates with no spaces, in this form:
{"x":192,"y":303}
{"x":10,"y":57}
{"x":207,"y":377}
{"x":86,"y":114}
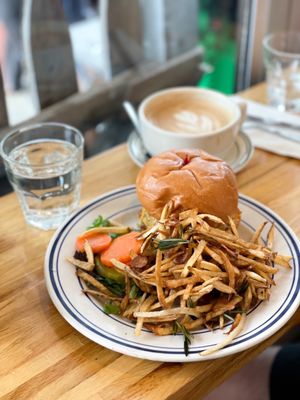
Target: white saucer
{"x":237,"y":157}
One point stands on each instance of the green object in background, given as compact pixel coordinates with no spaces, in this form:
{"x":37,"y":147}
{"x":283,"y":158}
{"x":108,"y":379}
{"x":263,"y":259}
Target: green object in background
{"x":222,"y":78}
{"x":219,"y":51}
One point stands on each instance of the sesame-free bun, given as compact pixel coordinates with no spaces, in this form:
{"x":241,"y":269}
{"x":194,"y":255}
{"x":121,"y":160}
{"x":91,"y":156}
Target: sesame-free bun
{"x":192,"y":179}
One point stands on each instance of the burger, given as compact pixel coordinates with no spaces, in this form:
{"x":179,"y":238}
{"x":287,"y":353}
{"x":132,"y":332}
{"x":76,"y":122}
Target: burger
{"x":192,"y":179}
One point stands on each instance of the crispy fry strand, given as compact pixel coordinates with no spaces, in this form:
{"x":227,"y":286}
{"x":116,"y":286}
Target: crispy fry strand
{"x":89,"y":252}
{"x":125,"y":299}
{"x":232,"y":335}
{"x":102,"y":295}
{"x":106,"y":229}
{"x":257,"y":233}
{"x":92,"y":281}
{"x":210,"y":251}
{"x":198,"y":284}
{"x":175,"y":283}
{"x":211,"y":218}
{"x":208,"y":266}
{"x":247,"y":299}
{"x":194,"y":257}
{"x":172,"y":311}
{"x":187,"y":291}
{"x":270,"y":236}
{"x":223,"y":288}
{"x":233,"y":227}
{"x":159,"y":289}
{"x":86,"y":266}
{"x":282,"y":260}
{"x":228,"y":268}
{"x":259,"y":265}
{"x":144,"y":306}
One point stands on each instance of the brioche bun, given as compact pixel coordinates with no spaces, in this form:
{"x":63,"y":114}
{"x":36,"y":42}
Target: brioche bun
{"x":192,"y":179}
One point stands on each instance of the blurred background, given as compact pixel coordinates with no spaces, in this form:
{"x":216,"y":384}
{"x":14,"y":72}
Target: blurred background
{"x":110,"y":36}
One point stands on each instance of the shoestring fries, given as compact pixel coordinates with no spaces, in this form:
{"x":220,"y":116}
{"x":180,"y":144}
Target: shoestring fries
{"x":194,"y":271}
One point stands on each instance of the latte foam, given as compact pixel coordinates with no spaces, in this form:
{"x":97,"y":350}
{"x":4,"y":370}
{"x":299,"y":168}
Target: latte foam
{"x":186,"y":113}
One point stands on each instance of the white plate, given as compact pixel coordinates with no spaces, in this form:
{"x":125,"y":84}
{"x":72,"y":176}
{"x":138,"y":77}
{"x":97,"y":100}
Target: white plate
{"x":237,"y":157}
{"x":85,"y":314}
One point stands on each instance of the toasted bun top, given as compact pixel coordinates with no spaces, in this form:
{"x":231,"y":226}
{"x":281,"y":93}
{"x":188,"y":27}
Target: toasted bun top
{"x":192,"y":179}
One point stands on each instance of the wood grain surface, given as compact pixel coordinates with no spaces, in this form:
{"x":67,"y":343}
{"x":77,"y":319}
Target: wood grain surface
{"x":43,"y":357}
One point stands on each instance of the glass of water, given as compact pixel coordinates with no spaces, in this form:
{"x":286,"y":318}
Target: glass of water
{"x":282,"y":62}
{"x":43,"y":164}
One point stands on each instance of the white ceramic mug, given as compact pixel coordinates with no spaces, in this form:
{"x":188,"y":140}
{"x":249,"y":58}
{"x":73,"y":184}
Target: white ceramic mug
{"x":198,"y":129}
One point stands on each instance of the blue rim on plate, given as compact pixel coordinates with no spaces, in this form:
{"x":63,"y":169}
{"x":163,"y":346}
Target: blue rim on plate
{"x":237,"y":157}
{"x":85,"y":314}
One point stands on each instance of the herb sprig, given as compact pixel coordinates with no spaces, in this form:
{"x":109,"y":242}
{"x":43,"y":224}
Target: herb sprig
{"x":99,"y":221}
{"x":117,"y":288}
{"x":178,"y":327}
{"x":166,"y":244}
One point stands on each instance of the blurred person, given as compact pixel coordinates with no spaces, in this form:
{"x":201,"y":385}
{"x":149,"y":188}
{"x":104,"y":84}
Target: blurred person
{"x":11,"y":51}
{"x":77,"y":10}
{"x":272,"y":375}
{"x":10,"y":20}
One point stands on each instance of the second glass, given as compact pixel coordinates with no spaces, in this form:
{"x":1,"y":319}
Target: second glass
{"x":43,"y":164}
{"x":282,"y":62}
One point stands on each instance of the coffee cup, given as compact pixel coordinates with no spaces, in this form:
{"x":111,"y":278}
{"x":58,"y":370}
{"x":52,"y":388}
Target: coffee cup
{"x":189,"y":117}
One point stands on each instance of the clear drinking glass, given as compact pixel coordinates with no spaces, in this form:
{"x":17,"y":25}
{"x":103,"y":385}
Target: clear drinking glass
{"x":43,"y":164}
{"x":282,"y":62}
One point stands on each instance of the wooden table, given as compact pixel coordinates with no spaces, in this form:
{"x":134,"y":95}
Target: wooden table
{"x":43,"y":357}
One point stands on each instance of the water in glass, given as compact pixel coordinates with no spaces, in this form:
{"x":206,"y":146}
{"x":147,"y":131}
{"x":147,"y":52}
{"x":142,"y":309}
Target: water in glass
{"x":46,"y":178}
{"x":282,"y":62}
